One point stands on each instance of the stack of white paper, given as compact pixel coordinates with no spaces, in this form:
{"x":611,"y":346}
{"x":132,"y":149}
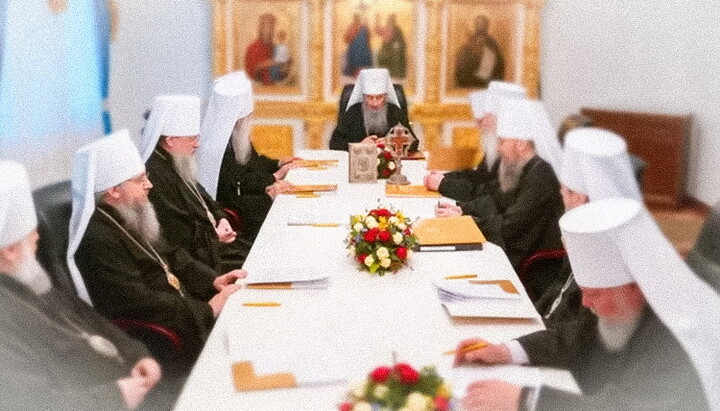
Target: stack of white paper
{"x":462,"y":377}
{"x":466,"y":290}
{"x":277,"y":277}
{"x":489,"y":299}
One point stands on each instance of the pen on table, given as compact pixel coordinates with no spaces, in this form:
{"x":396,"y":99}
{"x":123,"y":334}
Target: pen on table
{"x":262,"y":304}
{"x":460,"y":277}
{"x":469,"y":348}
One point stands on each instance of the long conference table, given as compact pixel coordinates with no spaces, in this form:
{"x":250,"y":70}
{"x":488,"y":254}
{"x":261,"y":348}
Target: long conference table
{"x":360,"y":320}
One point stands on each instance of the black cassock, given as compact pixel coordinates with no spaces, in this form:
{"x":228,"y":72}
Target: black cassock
{"x":46,"y":364}
{"x":242,"y":188}
{"x":126,"y":282}
{"x":652,"y":372}
{"x":522,"y":221}
{"x":183,"y":219}
{"x":351,"y":128}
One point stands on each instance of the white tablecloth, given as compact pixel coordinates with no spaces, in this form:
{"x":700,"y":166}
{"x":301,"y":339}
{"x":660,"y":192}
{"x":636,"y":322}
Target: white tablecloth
{"x":361,"y":318}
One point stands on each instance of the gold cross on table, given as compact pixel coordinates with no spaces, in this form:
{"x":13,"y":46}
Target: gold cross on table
{"x":57,"y":6}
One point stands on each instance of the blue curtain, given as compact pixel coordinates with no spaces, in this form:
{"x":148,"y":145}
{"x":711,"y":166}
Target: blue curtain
{"x":3,"y":8}
{"x":49,"y":87}
{"x":102,"y":27}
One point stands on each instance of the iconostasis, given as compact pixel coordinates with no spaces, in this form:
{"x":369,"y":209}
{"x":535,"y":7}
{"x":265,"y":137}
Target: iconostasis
{"x":300,"y":53}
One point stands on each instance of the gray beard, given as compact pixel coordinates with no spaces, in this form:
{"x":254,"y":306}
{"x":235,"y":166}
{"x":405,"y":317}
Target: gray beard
{"x":141,"y":220}
{"x":615,"y":336}
{"x":509,"y":175}
{"x":375,"y":120}
{"x":31,"y":274}
{"x":186,"y":166}
{"x":241,"y":144}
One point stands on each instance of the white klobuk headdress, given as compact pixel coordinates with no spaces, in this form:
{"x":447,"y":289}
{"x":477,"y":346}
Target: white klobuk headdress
{"x":17,"y":210}
{"x":596,"y":163}
{"x":171,"y":115}
{"x":615,"y":241}
{"x":484,"y":102}
{"x":231,"y":100}
{"x":97,"y":166}
{"x":528,"y":120}
{"x":373,"y":81}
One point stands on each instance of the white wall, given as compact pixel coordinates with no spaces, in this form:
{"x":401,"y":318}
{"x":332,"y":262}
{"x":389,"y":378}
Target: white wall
{"x":639,"y":55}
{"x":162,"y":46}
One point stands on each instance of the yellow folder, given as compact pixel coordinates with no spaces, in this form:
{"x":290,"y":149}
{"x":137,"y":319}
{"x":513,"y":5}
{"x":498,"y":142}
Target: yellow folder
{"x":313,"y":187}
{"x":316,"y":163}
{"x":394,"y":190}
{"x":448,"y":234}
{"x":245,"y":378}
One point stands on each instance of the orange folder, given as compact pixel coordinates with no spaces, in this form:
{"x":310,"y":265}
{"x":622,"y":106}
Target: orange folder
{"x":312,"y":187}
{"x":393,"y":190}
{"x":448,"y":234}
{"x":315,"y":163}
{"x":245,"y":378}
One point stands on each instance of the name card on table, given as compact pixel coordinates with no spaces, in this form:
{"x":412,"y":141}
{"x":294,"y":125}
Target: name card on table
{"x":448,"y":234}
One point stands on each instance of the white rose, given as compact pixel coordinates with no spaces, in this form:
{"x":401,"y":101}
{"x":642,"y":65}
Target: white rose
{"x":397,"y":238}
{"x":401,"y":226}
{"x":393,"y":220}
{"x":391,"y":165}
{"x":380,"y":391}
{"x":358,"y":390}
{"x":417,"y":401}
{"x":371,"y":222}
{"x":351,"y":249}
{"x":385,"y":262}
{"x":377,"y":162}
{"x":369,"y":260}
{"x":358,"y":227}
{"x":362,"y":406}
{"x":382,"y":252}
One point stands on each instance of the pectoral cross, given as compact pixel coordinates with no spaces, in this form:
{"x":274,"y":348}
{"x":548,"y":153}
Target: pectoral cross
{"x":57,"y":6}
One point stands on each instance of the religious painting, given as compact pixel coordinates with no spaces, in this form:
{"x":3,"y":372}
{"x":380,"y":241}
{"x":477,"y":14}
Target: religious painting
{"x":483,"y":44}
{"x":267,"y":39}
{"x":368,"y":33}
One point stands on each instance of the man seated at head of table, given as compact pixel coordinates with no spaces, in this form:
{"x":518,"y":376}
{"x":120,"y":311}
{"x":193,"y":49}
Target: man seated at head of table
{"x":519,"y":205}
{"x":462,"y":185}
{"x":651,"y":339}
{"x":190,"y":218}
{"x":596,"y":166}
{"x":57,"y":352}
{"x":372,"y":110}
{"x":117,"y":250}
{"x":229,"y":167}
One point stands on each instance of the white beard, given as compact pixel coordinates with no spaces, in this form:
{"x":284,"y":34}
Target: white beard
{"x":31,"y":274}
{"x":615,"y":335}
{"x":375,"y":120}
{"x":186,"y":166}
{"x":141,"y":220}
{"x":509,"y":175}
{"x":241,"y":144}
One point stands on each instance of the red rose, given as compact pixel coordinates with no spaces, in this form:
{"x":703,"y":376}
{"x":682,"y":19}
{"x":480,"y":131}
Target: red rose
{"x":407,"y":374}
{"x":401,"y":252}
{"x":371,"y":235}
{"x":407,"y":231}
{"x":346,"y":406}
{"x":381,"y":212}
{"x":388,"y":155}
{"x":386,"y":172}
{"x":361,"y":258}
{"x":384,"y":236}
{"x":442,"y":404}
{"x":381,"y":146}
{"x":380,"y":374}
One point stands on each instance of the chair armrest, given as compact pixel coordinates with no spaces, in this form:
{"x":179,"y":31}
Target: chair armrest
{"x":234,"y":219}
{"x":137,"y":328}
{"x":535,"y":258}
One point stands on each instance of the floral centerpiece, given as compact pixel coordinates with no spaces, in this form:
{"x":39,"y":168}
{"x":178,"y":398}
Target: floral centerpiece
{"x":385,"y":161}
{"x":381,"y":240}
{"x":400,"y":387}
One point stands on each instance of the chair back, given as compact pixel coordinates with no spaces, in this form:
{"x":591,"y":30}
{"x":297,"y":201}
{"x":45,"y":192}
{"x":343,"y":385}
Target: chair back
{"x":704,"y":258}
{"x":53,"y":205}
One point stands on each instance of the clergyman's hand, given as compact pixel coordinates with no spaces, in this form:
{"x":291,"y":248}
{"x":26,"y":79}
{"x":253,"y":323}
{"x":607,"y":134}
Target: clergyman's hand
{"x":490,"y":354}
{"x":288,"y":160}
{"x":492,"y":395}
{"x":432,"y":181}
{"x":225,"y":232}
{"x":447,"y":210}
{"x":277,"y":188}
{"x":228,"y":278}
{"x":218,"y":301}
{"x":143,"y":377}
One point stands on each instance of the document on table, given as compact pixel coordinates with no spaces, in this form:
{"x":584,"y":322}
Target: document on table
{"x":317,"y":217}
{"x":483,"y":298}
{"x":462,"y":377}
{"x":283,"y":277}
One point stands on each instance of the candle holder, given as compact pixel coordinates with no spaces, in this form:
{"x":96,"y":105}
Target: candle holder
{"x":399,"y":139}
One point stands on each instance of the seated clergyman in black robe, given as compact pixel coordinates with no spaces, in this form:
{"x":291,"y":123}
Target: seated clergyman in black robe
{"x":129,"y":271}
{"x":190,"y":218}
{"x":372,"y":110}
{"x":57,"y":353}
{"x":633,"y":347}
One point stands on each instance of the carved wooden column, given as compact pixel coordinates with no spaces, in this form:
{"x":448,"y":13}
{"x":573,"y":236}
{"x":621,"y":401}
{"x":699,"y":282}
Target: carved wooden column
{"x":531,"y":51}
{"x":315,"y":121}
{"x":219,"y":39}
{"x":432,"y":125}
